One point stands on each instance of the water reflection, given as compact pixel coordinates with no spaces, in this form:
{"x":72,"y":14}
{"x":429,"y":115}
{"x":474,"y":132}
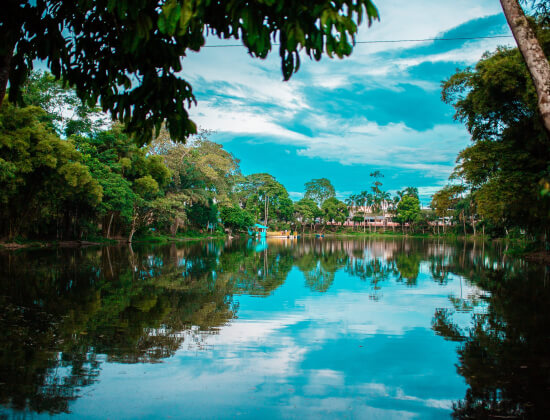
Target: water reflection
{"x":70,"y":313}
{"x":505,"y":352}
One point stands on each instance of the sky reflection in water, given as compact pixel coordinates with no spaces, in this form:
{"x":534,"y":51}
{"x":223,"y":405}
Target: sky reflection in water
{"x":307,"y":329}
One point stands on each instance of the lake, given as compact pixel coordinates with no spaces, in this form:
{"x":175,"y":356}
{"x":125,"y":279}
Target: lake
{"x":308,"y":328}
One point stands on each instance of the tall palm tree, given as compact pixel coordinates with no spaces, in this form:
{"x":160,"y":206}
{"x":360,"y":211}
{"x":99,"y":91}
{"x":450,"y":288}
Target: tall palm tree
{"x":412,"y":191}
{"x":370,"y":202}
{"x":351,"y":202}
{"x":385,"y":201}
{"x":362,"y":198}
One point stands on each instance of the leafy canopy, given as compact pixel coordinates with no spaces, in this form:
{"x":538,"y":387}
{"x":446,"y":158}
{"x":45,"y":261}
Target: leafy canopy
{"x":319,"y":190}
{"x":408,"y":210}
{"x":127,"y":54}
{"x":510,"y":157}
{"x":40,"y":174}
{"x":334,"y":210}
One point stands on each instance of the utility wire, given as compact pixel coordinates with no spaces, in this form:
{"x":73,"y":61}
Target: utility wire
{"x":390,"y":41}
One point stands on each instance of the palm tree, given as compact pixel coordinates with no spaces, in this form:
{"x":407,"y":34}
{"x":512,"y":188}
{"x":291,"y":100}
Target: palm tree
{"x":385,"y":200}
{"x":412,"y":191}
{"x":351,"y":202}
{"x":362,"y":198}
{"x":370,"y":203}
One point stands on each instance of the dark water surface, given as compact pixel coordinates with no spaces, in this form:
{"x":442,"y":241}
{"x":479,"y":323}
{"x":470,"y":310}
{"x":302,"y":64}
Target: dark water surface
{"x":285,"y":329}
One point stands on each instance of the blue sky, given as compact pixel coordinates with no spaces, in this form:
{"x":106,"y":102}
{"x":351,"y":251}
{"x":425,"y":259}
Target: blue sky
{"x":379,"y":109}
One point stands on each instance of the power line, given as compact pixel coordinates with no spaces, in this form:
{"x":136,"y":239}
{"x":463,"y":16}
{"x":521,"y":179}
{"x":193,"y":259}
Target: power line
{"x":435,"y":39}
{"x":387,"y":41}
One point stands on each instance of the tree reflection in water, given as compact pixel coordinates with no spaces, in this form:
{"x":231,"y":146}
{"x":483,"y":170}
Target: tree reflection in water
{"x":65,"y":312}
{"x":505,"y":354}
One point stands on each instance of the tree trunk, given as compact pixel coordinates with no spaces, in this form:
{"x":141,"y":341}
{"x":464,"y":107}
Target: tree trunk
{"x":175,"y":226}
{"x":266,"y":208}
{"x":132,"y":231}
{"x":532,"y":53}
{"x":134,"y":225}
{"x":5,"y":66}
{"x":109,"y":225}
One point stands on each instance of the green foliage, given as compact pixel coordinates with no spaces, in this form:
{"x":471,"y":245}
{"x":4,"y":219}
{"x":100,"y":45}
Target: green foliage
{"x":128,"y":54}
{"x":201,"y":169}
{"x":203,"y":214}
{"x":319,"y":190}
{"x":334,"y":210}
{"x":264,"y":197}
{"x":236,"y":218}
{"x":445,"y":200}
{"x":408,"y":210}
{"x":306,"y":211}
{"x":146,"y":187}
{"x":43,"y":181}
{"x":170,"y":212}
{"x":509,"y":160}
{"x":68,"y":114}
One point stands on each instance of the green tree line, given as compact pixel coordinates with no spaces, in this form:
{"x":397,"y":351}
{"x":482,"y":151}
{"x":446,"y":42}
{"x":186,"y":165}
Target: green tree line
{"x":500,"y":182}
{"x":68,"y":173}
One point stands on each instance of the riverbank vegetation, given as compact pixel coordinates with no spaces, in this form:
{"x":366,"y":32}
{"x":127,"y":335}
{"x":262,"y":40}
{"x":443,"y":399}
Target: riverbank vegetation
{"x":68,"y":173}
{"x":500,"y":181}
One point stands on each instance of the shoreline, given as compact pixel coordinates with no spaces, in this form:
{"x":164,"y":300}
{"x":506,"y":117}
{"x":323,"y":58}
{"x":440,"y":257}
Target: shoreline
{"x":538,"y":256}
{"x":14,"y":246}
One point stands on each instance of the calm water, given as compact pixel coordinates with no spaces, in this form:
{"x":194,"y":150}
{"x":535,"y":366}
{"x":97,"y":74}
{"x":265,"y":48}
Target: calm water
{"x":284,"y":329}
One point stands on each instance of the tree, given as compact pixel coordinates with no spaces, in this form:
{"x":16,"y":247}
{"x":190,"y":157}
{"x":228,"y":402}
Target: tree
{"x":532,"y":53}
{"x":352,"y":202}
{"x":67,"y":112}
{"x":509,"y":156}
{"x":366,"y":200}
{"x":379,"y":197}
{"x":127,"y":54}
{"x":445,"y":200}
{"x":203,"y":215}
{"x":236,"y":218}
{"x":408,"y":210}
{"x":170,"y":212}
{"x":132,"y":179}
{"x":45,"y":187}
{"x":260,"y":193}
{"x":201,"y":169}
{"x":319,"y":190}
{"x":412,"y":191}
{"x":334,"y":210}
{"x":306,"y":211}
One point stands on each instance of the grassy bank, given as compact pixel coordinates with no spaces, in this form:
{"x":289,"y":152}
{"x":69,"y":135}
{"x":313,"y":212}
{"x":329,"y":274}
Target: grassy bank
{"x":20,"y":243}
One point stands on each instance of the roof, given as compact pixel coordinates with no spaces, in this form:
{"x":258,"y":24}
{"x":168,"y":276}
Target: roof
{"x":257,"y":225}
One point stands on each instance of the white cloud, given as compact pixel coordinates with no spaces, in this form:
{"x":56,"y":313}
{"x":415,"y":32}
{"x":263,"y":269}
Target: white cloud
{"x":240,"y":95}
{"x":432,"y":151}
{"x":240,"y":119}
